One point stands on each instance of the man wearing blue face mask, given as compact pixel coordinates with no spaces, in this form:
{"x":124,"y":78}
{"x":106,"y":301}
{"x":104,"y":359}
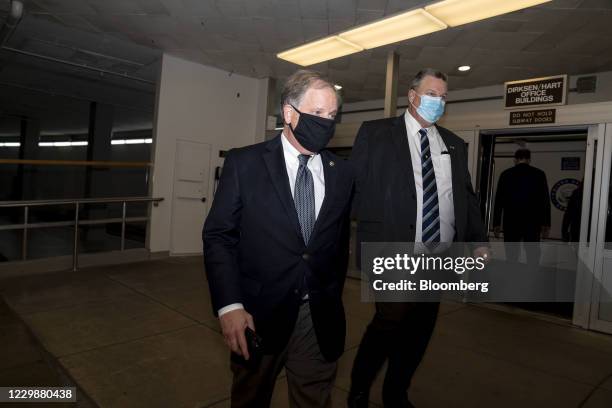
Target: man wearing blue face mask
{"x":412,"y":185}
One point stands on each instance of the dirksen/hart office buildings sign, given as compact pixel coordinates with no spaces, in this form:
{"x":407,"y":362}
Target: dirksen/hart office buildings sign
{"x":547,"y":91}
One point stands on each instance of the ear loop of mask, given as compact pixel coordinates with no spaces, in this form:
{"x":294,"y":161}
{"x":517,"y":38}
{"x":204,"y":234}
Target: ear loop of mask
{"x":289,"y":123}
{"x":412,"y":101}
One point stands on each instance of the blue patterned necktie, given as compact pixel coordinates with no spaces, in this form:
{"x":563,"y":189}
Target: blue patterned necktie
{"x":431,"y":212}
{"x":304,"y":198}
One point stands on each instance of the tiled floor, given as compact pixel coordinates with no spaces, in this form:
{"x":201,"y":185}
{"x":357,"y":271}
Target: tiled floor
{"x":143,"y":335}
{"x":23,"y":363}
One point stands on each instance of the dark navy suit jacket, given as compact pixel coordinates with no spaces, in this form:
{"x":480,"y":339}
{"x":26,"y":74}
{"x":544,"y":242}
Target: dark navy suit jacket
{"x":385,"y":194}
{"x":254,"y":253}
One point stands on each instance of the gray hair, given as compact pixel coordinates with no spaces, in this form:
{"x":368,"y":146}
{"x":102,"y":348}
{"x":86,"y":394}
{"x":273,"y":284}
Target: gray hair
{"x":297,"y":84}
{"x":418,"y":78}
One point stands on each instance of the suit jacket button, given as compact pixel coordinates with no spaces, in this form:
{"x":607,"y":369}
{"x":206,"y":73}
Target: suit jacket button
{"x":305,"y":257}
{"x":414,"y":196}
{"x":296,"y":291}
{"x":411,"y":226}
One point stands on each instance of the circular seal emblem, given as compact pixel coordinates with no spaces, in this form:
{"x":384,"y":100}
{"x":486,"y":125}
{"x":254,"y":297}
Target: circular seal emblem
{"x":562,"y":191}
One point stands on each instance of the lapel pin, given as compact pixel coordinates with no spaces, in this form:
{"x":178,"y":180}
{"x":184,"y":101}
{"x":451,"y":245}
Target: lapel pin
{"x":332,"y":164}
{"x":452,"y":147}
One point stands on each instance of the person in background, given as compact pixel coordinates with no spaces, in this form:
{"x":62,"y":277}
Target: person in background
{"x":276,"y":251}
{"x":523,"y":201}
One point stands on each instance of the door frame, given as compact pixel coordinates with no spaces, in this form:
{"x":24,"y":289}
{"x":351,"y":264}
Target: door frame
{"x":591,"y":245}
{"x":600,"y":202}
{"x":588,"y":231}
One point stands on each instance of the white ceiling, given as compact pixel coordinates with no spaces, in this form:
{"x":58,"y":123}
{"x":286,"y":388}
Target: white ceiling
{"x":243,"y":36}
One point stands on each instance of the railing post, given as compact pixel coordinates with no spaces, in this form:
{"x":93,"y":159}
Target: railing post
{"x":24,"y":242}
{"x":75,"y":250}
{"x":123,"y":226}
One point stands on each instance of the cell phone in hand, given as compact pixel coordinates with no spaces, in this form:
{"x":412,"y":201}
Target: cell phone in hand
{"x":254,"y":343}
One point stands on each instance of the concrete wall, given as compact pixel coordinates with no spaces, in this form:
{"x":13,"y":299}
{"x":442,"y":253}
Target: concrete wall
{"x":200,"y":104}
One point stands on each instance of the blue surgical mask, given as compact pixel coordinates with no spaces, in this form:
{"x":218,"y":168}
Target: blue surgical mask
{"x":431,"y":108}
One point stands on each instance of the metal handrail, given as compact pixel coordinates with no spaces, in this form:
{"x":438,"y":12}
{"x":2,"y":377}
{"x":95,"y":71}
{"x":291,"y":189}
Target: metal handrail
{"x":78,"y":200}
{"x":25,"y":226}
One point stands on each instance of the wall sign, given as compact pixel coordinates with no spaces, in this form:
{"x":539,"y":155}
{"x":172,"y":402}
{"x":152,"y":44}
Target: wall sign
{"x":536,"y":92}
{"x":570,"y":163}
{"x":532,"y":117}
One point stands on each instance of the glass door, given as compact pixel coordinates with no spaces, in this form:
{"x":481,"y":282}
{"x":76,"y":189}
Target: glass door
{"x":601,"y":304}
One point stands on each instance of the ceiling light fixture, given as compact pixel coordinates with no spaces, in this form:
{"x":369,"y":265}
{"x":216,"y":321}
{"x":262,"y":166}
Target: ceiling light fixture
{"x":403,"y":26}
{"x":390,"y":30}
{"x":458,"y":12}
{"x":319,"y":51}
{"x":464,"y":68}
{"x":338,"y":87}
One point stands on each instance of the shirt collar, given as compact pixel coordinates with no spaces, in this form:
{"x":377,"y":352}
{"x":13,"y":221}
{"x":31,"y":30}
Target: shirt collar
{"x":412,"y":126}
{"x":290,"y":150}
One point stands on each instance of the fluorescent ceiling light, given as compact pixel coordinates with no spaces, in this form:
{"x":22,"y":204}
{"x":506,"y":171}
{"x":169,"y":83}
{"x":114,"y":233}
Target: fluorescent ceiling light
{"x":319,"y":51}
{"x":84,"y":143}
{"x":10,"y":144}
{"x":338,"y":87}
{"x":131,"y":141}
{"x":393,"y":29}
{"x":62,"y":144}
{"x":464,"y":68}
{"x":458,"y":12}
{"x":400,"y":27}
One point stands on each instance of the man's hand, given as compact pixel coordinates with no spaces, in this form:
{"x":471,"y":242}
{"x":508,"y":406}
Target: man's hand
{"x":483,"y":252}
{"x":232,"y":325}
{"x":497,"y":231}
{"x":545,"y":231}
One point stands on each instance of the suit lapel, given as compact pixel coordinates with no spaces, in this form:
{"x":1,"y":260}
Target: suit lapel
{"x":400,"y":140}
{"x":330,"y":173}
{"x":275,"y":162}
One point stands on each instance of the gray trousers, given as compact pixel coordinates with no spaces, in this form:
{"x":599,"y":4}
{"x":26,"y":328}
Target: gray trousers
{"x":309,"y":376}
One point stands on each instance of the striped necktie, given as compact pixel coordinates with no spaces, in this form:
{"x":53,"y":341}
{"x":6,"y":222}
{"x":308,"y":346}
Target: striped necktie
{"x":431,"y":212}
{"x":304,"y":198}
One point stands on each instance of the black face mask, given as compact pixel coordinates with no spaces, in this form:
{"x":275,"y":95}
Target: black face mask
{"x":313,"y":132}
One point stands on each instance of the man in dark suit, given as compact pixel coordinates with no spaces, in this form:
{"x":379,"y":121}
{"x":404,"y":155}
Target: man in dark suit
{"x":276,"y":251}
{"x":412,"y":185}
{"x":522,"y":198}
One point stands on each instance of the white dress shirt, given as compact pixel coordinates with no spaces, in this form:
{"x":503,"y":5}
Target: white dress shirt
{"x":442,"y":168}
{"x":315,"y":165}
